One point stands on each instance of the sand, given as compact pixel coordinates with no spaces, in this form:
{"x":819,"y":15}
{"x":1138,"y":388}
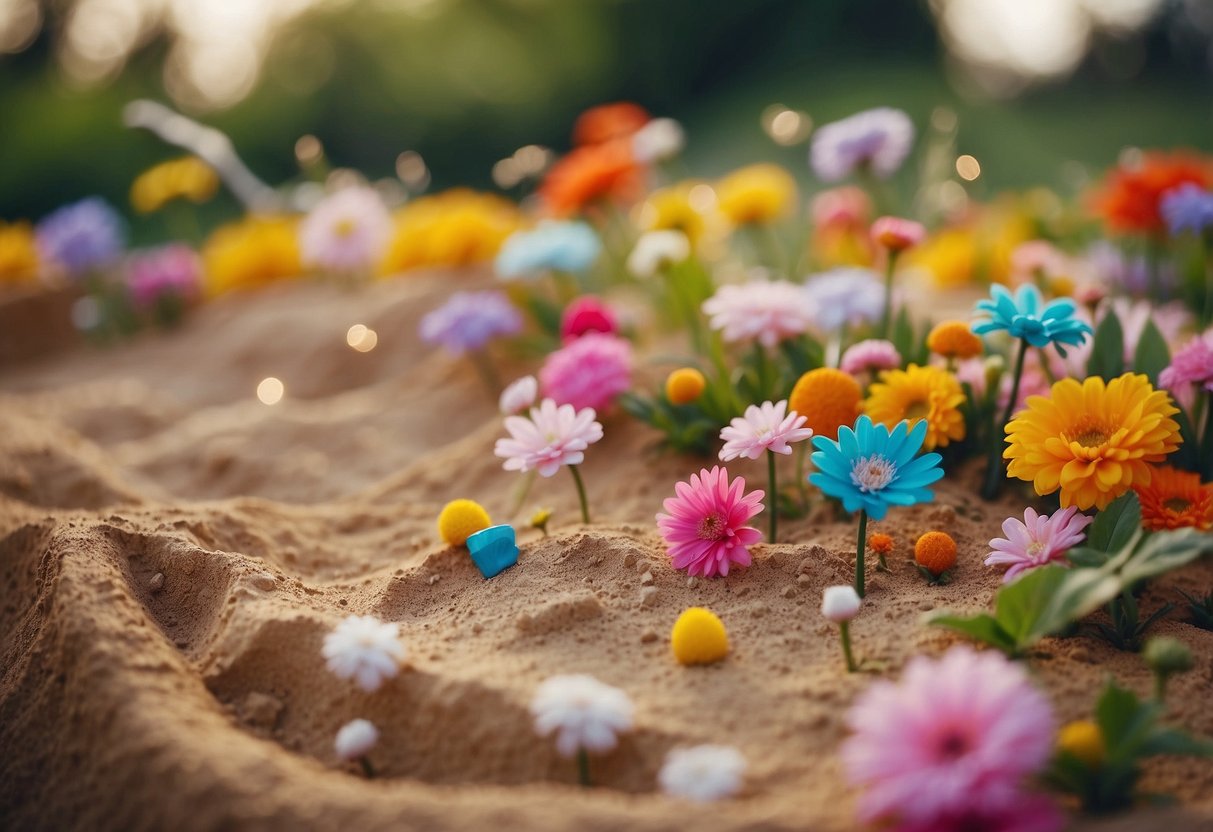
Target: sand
{"x":172,"y":553}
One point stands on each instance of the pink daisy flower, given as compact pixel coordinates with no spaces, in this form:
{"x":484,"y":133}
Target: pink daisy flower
{"x":553,"y":436}
{"x":1191,"y":365}
{"x":585,"y":315}
{"x":1030,"y":813}
{"x":347,"y":230}
{"x":705,"y":531}
{"x":589,"y":371}
{"x":768,"y":427}
{"x":1037,"y":540}
{"x":871,"y":355}
{"x":764,"y":311}
{"x":897,"y":234}
{"x":956,"y":736}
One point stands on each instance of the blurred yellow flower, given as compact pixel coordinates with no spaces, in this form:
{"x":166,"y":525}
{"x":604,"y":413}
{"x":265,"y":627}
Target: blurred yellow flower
{"x":18,"y":253}
{"x":976,"y":252}
{"x":458,"y":227}
{"x":688,"y":206}
{"x":252,"y":252}
{"x":185,"y":178}
{"x":756,"y":194}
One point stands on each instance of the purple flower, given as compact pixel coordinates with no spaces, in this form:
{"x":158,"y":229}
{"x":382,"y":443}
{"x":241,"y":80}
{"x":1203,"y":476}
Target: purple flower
{"x":83,"y":236}
{"x":1130,"y":274}
{"x":171,"y":271}
{"x":846,"y":296}
{"x":1187,"y":208}
{"x":469,"y":320}
{"x":878,"y":140}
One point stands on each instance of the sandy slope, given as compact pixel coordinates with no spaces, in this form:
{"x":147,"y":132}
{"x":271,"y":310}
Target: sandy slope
{"x":172,"y":553}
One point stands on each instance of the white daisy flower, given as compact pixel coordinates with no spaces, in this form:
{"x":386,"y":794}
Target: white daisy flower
{"x":584,"y":713}
{"x":659,"y":140}
{"x":703,"y":773}
{"x":355,"y":739}
{"x":655,"y":250}
{"x":364,"y":649}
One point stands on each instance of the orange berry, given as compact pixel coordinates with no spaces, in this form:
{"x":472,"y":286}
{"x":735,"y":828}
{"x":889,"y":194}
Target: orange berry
{"x":685,"y":385}
{"x":828,"y":398}
{"x":880,"y":543}
{"x":935,"y":552}
{"x":954,"y":339}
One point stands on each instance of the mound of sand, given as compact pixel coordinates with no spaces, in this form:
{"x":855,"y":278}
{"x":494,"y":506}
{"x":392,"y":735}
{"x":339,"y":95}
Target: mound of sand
{"x":172,"y":552}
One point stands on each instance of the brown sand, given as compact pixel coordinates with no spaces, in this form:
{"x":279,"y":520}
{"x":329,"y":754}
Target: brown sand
{"x":172,"y":553}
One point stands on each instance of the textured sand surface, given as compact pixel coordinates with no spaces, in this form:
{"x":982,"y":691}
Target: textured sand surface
{"x":172,"y":552}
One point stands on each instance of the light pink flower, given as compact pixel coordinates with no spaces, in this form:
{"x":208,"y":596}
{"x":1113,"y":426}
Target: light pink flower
{"x":972,"y":371}
{"x":846,"y":207}
{"x":764,"y":311}
{"x":347,"y":230}
{"x":705,"y":531}
{"x":897,"y":233}
{"x":588,"y":372}
{"x":520,"y":395}
{"x":957,"y":735}
{"x":1192,"y":364}
{"x":870,"y":356}
{"x":553,"y":436}
{"x":1037,"y":540}
{"x":1030,"y":813}
{"x":764,"y":427}
{"x":1038,"y":258}
{"x":171,"y":271}
{"x":585,"y":315}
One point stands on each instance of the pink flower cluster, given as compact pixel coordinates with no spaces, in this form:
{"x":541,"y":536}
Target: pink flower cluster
{"x":589,"y":371}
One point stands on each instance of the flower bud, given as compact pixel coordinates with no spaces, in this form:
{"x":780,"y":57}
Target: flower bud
{"x":1167,"y":656}
{"x":355,"y":739}
{"x":1083,"y":740}
{"x":840,"y":603}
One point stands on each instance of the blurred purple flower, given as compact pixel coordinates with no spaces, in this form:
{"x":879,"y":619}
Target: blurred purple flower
{"x":82,"y":236}
{"x":469,"y":320}
{"x":171,"y":271}
{"x":878,"y":140}
{"x":1130,"y":274}
{"x":1187,"y":208}
{"x":846,"y":296}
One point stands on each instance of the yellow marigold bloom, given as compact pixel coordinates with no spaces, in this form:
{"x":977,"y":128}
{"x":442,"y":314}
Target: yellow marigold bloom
{"x":1083,"y":740}
{"x":685,"y":385}
{"x":459,"y":227}
{"x":252,"y":252}
{"x":756,"y":194}
{"x":917,"y":393}
{"x":689,"y":207}
{"x":460,"y":519}
{"x":1091,"y":440}
{"x":1175,"y":499}
{"x":186,"y":178}
{"x":935,"y":552}
{"x":18,"y":253}
{"x":828,"y":398}
{"x":954,"y":339}
{"x":699,"y":637}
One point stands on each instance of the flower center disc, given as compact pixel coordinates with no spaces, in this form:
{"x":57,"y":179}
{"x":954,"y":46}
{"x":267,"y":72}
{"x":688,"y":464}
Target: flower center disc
{"x":710,"y":527}
{"x":872,"y":473}
{"x":917,"y":410}
{"x":1177,"y":504}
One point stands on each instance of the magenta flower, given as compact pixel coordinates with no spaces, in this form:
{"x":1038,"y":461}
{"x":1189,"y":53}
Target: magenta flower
{"x":170,"y":272}
{"x":764,"y":311}
{"x":956,"y":737}
{"x":346,"y":231}
{"x":585,"y":315}
{"x":1030,"y":813}
{"x":1037,"y":540}
{"x":705,"y":531}
{"x":1192,"y":364}
{"x":763,"y":428}
{"x":588,"y":372}
{"x":553,"y":436}
{"x":871,"y":355}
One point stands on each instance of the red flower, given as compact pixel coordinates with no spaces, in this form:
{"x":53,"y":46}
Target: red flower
{"x":1130,"y":196}
{"x":591,"y":174}
{"x":608,"y":122}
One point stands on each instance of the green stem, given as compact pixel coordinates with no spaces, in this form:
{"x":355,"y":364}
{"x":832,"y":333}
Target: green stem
{"x":844,"y":628}
{"x":772,"y":497}
{"x":583,"y":767}
{"x":367,"y":768}
{"x":1160,"y":687}
{"x":802,"y":482}
{"x":994,"y":473}
{"x":761,"y":370}
{"x":886,"y":319}
{"x":585,"y":505}
{"x":860,"y":547}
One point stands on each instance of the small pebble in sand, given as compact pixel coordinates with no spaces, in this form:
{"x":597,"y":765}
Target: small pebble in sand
{"x":648,"y":596}
{"x":643,"y":566}
{"x":264,"y":581}
{"x":646,"y":579}
{"x":692,"y":582}
{"x":648,"y":636}
{"x":157,"y":582}
{"x":629,"y":559}
{"x":803,"y":579}
{"x":433,"y":579}
{"x":789,"y":591}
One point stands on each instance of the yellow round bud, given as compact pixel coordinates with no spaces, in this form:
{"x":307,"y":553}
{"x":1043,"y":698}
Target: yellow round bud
{"x":1084,"y":740}
{"x":699,"y":637}
{"x":684,"y":386}
{"x":460,"y":519}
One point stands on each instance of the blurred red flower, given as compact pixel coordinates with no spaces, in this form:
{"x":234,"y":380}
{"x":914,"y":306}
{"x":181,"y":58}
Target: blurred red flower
{"x":608,"y":122}
{"x":1128,"y":201}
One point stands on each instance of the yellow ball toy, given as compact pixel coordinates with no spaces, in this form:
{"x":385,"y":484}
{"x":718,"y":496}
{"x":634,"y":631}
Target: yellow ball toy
{"x":699,"y":637}
{"x":460,"y":519}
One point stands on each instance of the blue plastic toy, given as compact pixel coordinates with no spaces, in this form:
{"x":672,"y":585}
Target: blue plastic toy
{"x":493,"y":549}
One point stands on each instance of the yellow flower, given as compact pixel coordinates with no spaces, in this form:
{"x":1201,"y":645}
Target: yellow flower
{"x":829,"y":398}
{"x":1091,"y":440}
{"x":689,"y":207}
{"x":458,"y":227}
{"x":685,"y":385}
{"x":1083,"y":740}
{"x":756,"y":194}
{"x":540,"y":519}
{"x":919,"y":393}
{"x":252,"y":252}
{"x":699,"y":637}
{"x":186,"y":178}
{"x":954,"y":339}
{"x":18,"y":253}
{"x":460,"y":519}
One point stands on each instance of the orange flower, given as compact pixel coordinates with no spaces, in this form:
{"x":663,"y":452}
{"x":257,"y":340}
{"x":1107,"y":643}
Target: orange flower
{"x":829,"y":398}
{"x":608,"y":122}
{"x":935,"y":552}
{"x":590,"y":174}
{"x":1174,"y":499}
{"x":880,"y":543}
{"x":954,"y":339}
{"x":1130,"y":196}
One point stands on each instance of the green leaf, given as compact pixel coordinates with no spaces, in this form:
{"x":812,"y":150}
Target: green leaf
{"x":982,"y":627}
{"x":1087,"y":558}
{"x":1171,"y":741}
{"x":1115,"y":525}
{"x":1108,"y":349}
{"x":1163,"y":551}
{"x":1078,"y":594}
{"x":1153,"y":354}
{"x":1018,"y":605}
{"x":1125,"y":721}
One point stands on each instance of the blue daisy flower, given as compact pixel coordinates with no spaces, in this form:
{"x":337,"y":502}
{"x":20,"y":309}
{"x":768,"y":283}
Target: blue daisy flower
{"x":870,"y":468}
{"x":550,"y":246}
{"x":1026,"y":316}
